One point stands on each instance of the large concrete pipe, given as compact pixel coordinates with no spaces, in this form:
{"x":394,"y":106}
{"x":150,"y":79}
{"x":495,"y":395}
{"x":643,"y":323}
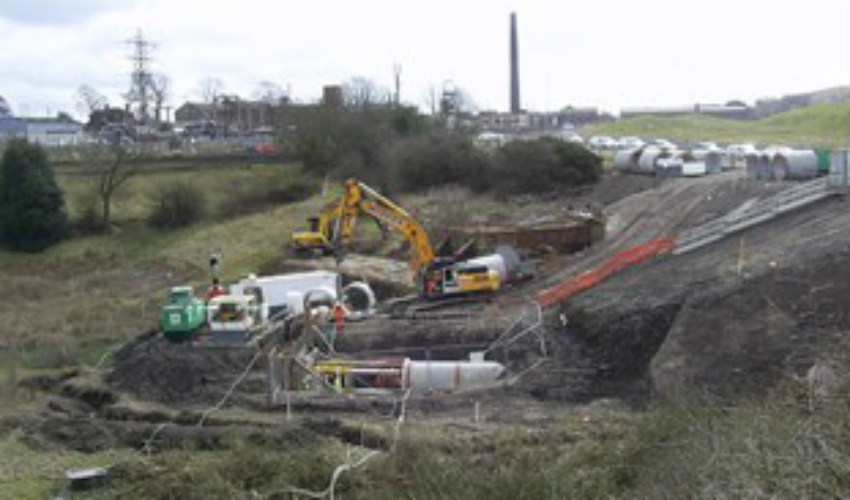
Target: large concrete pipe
{"x":359,"y":297}
{"x":506,"y":262}
{"x":802,"y":164}
{"x":646,"y":163}
{"x":449,"y":375}
{"x":752,"y":163}
{"x":626,"y":160}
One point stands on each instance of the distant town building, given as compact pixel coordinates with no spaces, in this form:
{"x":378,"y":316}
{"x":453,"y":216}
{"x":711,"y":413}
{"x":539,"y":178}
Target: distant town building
{"x":49,"y":132}
{"x":733,"y":111}
{"x":332,"y":96}
{"x":525,"y":122}
{"x":234,"y":116}
{"x":231,"y":114}
{"x":11,"y":127}
{"x":54,"y":132}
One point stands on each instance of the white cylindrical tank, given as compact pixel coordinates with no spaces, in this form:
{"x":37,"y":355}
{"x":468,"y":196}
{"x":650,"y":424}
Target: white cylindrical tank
{"x":752,"y":162}
{"x":506,"y":262}
{"x":319,"y":297}
{"x":449,"y":375}
{"x":801,"y":164}
{"x":626,"y":160}
{"x":359,"y":297}
{"x":646,"y":163}
{"x":713,"y":162}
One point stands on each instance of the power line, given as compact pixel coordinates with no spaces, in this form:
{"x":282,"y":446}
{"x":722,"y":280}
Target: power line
{"x":142,"y":77}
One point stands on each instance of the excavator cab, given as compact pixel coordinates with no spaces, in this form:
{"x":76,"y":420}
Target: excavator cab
{"x":311,"y":241}
{"x":444,"y":279}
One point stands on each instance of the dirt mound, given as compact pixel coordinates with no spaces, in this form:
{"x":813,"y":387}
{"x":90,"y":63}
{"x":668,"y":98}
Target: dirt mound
{"x":743,"y":339}
{"x":155,"y":369}
{"x":733,"y":318}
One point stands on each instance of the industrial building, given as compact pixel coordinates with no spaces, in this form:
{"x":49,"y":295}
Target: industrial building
{"x":731,"y":111}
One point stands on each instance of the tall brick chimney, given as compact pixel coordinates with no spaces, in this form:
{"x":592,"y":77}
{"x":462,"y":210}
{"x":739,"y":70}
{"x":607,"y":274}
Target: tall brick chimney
{"x":515,"y":102}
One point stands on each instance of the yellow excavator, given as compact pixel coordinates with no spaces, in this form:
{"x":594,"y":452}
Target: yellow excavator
{"x":436,"y":277}
{"x":319,"y":236}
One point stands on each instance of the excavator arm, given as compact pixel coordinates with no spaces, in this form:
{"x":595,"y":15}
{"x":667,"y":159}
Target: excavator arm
{"x":434,"y":278}
{"x":360,"y":199}
{"x":323,"y":229}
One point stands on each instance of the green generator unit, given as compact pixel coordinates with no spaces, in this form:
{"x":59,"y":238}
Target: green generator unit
{"x":824,"y":160}
{"x":183,"y":315}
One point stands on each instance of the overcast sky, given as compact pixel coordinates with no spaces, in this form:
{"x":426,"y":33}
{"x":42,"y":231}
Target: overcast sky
{"x":606,"y":53}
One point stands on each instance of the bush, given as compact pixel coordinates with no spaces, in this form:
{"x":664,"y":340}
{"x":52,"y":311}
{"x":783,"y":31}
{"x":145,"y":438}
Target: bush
{"x":544,"y":165}
{"x":177,"y":205}
{"x":427,"y":162}
{"x":33,"y":215}
{"x":520,"y":167}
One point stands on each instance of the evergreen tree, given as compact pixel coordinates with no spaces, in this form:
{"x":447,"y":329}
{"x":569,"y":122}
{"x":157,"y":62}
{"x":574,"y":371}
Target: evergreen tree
{"x":32,"y":207}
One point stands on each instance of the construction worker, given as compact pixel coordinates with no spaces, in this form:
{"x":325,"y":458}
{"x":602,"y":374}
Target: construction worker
{"x":339,"y":313}
{"x":215,"y":290}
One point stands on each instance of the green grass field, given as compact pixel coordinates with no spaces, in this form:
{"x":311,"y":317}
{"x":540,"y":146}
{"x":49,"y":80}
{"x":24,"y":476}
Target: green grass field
{"x":217,"y":182}
{"x":816,"y":126}
{"x":91,"y":289}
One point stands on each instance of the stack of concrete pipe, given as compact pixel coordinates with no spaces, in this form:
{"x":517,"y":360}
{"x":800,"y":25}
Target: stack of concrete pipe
{"x":626,"y":160}
{"x":784,"y":164}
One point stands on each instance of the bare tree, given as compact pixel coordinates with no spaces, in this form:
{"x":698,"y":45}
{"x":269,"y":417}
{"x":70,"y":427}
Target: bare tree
{"x":432,"y":99}
{"x":211,"y":90}
{"x":269,"y":93}
{"x":90,"y":100}
{"x":360,"y":92}
{"x":113,"y":166}
{"x":160,"y":86}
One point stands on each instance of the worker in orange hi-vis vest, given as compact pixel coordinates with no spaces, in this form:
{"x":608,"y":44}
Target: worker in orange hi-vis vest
{"x":339,"y":317}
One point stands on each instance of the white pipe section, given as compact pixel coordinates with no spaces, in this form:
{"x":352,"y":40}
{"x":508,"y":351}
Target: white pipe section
{"x":449,"y":375}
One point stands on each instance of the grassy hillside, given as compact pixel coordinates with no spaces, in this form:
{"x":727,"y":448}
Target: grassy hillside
{"x":92,"y":289}
{"x":217,"y":182}
{"x":816,"y":126}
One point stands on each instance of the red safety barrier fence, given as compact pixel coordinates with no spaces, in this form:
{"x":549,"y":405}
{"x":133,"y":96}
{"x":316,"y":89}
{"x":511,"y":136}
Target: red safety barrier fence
{"x":623,"y":260}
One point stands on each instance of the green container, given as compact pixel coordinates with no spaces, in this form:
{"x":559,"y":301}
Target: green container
{"x":183,"y":315}
{"x":824,"y":159}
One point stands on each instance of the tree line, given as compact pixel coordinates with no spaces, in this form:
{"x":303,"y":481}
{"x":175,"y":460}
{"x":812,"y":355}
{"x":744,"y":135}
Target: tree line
{"x":396,"y":147}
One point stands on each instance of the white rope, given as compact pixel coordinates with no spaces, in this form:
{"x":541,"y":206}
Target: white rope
{"x":348,"y":465}
{"x":525,"y":372}
{"x":148,"y":446}
{"x":229,"y":392}
{"x":109,"y":352}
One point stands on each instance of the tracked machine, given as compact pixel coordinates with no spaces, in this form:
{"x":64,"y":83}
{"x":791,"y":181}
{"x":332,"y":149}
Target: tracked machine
{"x":438,"y":279}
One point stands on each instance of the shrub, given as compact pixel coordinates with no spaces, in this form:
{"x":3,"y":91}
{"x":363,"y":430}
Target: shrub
{"x":177,"y":205}
{"x":427,"y":162}
{"x":544,"y":165}
{"x":33,"y":215}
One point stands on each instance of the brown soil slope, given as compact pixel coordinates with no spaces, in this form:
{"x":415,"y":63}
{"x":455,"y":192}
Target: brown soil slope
{"x":734,"y":317}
